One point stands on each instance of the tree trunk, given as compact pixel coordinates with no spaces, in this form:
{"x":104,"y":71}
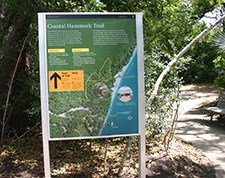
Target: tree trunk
{"x":11,"y":42}
{"x":176,"y":58}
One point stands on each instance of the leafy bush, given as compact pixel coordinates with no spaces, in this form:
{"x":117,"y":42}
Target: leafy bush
{"x":163,"y":109}
{"x":201,"y":68}
{"x":219,"y":63}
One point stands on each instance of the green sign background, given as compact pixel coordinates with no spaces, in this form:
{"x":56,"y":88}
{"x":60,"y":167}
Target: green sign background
{"x":108,"y":43}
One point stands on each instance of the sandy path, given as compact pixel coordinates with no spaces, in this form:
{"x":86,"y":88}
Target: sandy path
{"x":194,"y":125}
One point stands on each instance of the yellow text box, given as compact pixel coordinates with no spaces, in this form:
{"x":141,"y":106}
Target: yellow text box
{"x":56,"y":50}
{"x":78,"y":50}
{"x":68,"y":80}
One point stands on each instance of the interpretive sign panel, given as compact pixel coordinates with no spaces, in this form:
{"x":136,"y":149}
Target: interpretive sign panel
{"x":91,"y":78}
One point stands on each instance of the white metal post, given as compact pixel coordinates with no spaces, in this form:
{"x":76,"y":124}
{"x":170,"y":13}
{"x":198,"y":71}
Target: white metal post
{"x":141,"y":93}
{"x":44,"y":94}
{"x":142,"y":157}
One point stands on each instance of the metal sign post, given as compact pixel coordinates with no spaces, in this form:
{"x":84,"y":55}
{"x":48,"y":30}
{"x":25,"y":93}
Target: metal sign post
{"x":141,"y":91}
{"x":92,"y":78}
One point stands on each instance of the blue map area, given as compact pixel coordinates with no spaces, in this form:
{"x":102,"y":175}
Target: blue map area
{"x":122,"y":117}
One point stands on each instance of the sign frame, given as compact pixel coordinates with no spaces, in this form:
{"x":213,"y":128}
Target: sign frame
{"x":44,"y":84}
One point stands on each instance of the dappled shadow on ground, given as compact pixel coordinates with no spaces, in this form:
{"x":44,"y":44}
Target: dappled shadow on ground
{"x":195,"y":127}
{"x":179,"y":167}
{"x":12,"y":165}
{"x":202,"y":117}
{"x":204,"y":133}
{"x":197,"y":91}
{"x":83,"y":158}
{"x":79,"y":158}
{"x":181,"y":160}
{"x":87,"y":159}
{"x":197,"y":117}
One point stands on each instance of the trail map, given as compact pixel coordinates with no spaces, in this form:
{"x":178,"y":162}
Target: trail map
{"x":92,"y":75}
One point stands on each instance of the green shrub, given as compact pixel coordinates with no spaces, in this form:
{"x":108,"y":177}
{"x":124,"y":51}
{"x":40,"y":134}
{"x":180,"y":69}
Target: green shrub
{"x":219,"y":63}
{"x":165,"y":105}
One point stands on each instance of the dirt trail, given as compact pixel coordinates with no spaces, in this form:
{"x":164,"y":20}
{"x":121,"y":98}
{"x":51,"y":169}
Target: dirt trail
{"x":194,"y":124}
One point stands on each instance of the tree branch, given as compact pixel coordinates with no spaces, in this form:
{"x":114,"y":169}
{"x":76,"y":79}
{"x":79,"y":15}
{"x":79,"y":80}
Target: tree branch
{"x":176,"y":58}
{"x":9,"y":91}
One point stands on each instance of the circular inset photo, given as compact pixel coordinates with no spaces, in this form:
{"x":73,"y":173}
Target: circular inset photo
{"x":125,"y":94}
